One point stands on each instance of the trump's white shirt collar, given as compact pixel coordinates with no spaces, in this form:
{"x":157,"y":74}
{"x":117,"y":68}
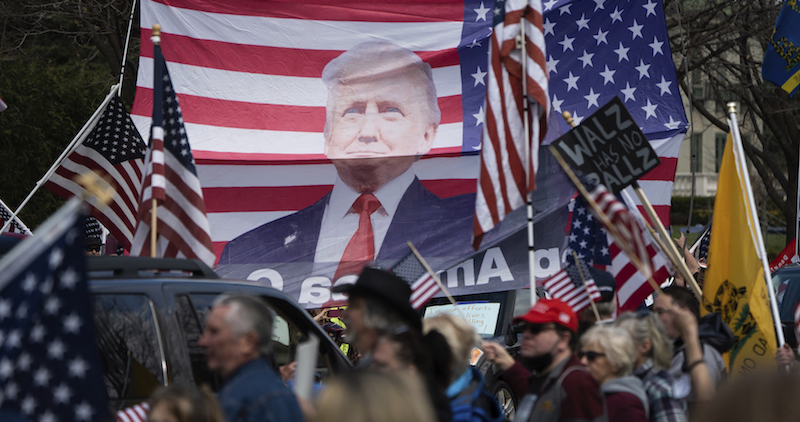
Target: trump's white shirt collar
{"x":339,"y":222}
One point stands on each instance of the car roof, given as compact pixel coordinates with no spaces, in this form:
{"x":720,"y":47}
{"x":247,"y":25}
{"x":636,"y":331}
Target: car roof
{"x":110,"y":271}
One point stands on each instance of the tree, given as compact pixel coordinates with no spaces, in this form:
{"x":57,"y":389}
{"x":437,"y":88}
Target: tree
{"x":101,"y":24}
{"x":58,"y":60}
{"x":722,"y":44}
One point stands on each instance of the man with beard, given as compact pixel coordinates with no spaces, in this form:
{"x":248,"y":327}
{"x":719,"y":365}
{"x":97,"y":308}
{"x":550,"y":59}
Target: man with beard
{"x":558,"y":388}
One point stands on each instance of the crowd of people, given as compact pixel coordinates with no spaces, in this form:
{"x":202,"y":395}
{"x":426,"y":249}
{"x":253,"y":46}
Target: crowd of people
{"x":662,"y":364}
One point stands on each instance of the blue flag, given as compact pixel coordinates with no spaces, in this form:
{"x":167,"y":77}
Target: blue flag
{"x":782,"y":59}
{"x":49,"y":363}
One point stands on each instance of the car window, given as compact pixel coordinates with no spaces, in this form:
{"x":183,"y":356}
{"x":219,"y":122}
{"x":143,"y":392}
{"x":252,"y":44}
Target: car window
{"x":192,"y":311}
{"x":130,"y":353}
{"x":484,"y":311}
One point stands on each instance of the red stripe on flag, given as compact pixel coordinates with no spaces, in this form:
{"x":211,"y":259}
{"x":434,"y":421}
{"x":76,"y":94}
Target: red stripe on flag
{"x":265,"y":60}
{"x":333,"y":10}
{"x":664,"y":171}
{"x":228,"y":113}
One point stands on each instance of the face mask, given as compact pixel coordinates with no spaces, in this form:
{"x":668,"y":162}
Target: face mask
{"x":538,"y":364}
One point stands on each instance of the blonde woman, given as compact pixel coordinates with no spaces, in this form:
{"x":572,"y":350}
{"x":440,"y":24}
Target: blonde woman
{"x":609,"y":355}
{"x":469,"y":398}
{"x":653,"y":359}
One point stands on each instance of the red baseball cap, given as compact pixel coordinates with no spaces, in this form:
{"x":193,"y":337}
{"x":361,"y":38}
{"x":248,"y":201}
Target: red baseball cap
{"x":547,"y":311}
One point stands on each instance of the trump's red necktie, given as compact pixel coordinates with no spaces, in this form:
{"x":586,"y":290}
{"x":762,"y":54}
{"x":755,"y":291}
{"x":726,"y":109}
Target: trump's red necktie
{"x":361,"y":247}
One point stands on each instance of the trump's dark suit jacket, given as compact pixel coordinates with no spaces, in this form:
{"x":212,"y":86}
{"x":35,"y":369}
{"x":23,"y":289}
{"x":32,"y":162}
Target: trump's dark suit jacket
{"x":438,"y":227}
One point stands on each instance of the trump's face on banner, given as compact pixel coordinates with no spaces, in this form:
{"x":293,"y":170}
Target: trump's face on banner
{"x":379,"y":118}
{"x":381,"y":115}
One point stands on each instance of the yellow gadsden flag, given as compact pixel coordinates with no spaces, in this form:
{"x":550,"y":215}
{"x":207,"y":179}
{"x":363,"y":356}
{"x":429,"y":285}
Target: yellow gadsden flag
{"x":734,"y":285}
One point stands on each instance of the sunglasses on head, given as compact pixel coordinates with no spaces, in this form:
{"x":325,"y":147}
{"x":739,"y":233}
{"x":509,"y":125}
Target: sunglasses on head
{"x":591,"y":355}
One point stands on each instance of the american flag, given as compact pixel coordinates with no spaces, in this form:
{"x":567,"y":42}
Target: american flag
{"x":135,"y":413}
{"x":630,"y":237}
{"x":171,"y":179}
{"x":574,"y":290}
{"x":423,"y":286}
{"x":49,"y":363}
{"x":255,"y":105}
{"x":16,"y":224}
{"x":586,"y":237}
{"x":600,"y":49}
{"x":113,"y":148}
{"x":506,"y":173}
{"x":588,"y":240}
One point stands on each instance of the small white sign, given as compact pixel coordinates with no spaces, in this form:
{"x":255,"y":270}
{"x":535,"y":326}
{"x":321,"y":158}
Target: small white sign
{"x":482,"y":316}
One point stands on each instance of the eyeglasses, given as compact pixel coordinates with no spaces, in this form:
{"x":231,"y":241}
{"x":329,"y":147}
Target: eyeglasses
{"x":93,"y":248}
{"x":534,"y":328}
{"x":591,"y":355}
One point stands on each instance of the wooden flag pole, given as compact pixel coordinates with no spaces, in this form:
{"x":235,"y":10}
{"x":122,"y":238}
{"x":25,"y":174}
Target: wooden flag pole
{"x":603,"y":217}
{"x":153,"y":218}
{"x":583,"y":280}
{"x":667,"y":245}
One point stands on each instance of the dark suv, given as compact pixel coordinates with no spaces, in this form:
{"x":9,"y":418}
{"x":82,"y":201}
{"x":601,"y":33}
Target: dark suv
{"x":149,"y":314}
{"x":786,"y":282}
{"x":492,"y":315}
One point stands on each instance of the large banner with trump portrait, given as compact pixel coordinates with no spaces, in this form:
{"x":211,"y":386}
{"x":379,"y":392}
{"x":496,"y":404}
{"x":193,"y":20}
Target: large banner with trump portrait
{"x":327,"y":135}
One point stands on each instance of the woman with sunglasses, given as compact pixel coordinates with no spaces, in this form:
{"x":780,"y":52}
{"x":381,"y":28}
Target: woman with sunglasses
{"x":609,"y":355}
{"x":653,"y":358}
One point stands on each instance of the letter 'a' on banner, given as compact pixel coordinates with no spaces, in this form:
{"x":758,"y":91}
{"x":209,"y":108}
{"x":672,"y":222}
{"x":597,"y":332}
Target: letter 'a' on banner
{"x":782,"y":59}
{"x":734,"y":283}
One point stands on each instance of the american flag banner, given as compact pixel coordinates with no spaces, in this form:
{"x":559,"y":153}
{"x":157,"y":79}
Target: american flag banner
{"x":600,"y":49}
{"x":113,"y":148}
{"x":249,"y":78}
{"x":16,"y":224}
{"x":507,"y":174}
{"x":573,"y":285}
{"x":49,"y":362}
{"x":171,"y":180}
{"x":423,"y":286}
{"x":256,"y":105}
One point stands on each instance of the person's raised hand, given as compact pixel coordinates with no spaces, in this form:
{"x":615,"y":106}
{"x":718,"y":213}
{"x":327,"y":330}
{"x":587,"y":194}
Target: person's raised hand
{"x":784,"y":356}
{"x":497,"y":354}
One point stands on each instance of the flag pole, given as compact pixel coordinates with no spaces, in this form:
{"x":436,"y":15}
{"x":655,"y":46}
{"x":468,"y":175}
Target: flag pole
{"x":796,"y":257}
{"x":745,"y":175}
{"x":528,"y":159}
{"x":125,"y":50}
{"x":583,"y":280}
{"x":667,"y":245}
{"x":156,"y":38}
{"x":79,"y":137}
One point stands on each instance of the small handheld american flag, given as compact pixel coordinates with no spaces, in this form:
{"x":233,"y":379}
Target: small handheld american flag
{"x":413,"y":272}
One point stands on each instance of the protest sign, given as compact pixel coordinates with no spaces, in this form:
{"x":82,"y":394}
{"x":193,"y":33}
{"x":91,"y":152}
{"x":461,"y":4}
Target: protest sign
{"x":609,"y":147}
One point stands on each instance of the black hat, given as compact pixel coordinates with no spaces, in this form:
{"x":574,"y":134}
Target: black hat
{"x":386,"y":287}
{"x":605,"y":284}
{"x":93,"y":233}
